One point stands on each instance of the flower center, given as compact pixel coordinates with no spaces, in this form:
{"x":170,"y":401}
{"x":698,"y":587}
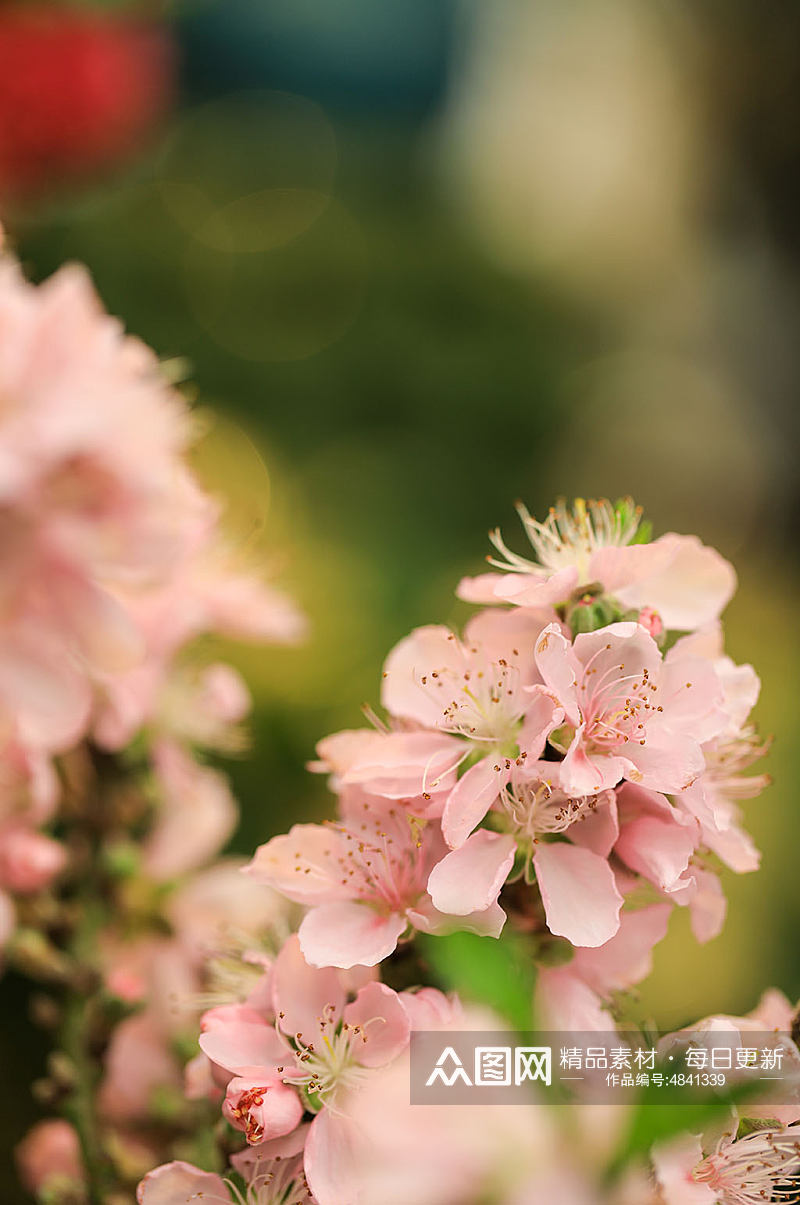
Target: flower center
{"x":328,"y":1065}
{"x":486,"y":703}
{"x":569,"y":536}
{"x":534,"y":808}
{"x":616,"y":705}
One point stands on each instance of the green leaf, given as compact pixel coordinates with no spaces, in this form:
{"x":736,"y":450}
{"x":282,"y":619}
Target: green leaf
{"x":498,"y":972}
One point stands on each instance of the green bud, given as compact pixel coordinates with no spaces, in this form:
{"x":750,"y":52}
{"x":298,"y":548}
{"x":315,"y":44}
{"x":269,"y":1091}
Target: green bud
{"x":121,"y":859}
{"x":592,"y":611}
{"x":30,"y":952}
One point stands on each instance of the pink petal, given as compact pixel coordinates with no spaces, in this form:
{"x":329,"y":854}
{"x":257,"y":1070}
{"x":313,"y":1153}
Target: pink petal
{"x":627,"y":958}
{"x":543,"y":715}
{"x":579,"y":893}
{"x":302,"y":864}
{"x":690,"y":590}
{"x":480,"y":589}
{"x":347,"y":934}
{"x":469,"y":878}
{"x":565,"y":1002}
{"x":302,"y":994}
{"x":667,"y":762}
{"x":384,"y":1023}
{"x":471,"y":798}
{"x":624,"y":567}
{"x":100,"y":626}
{"x":332,"y":1162}
{"x":180,"y":1184}
{"x":196,"y":817}
{"x":529,"y":590}
{"x":425,"y":652}
{"x":287,"y":1146}
{"x":48,"y":696}
{"x":625,"y":645}
{"x":582,"y":773}
{"x":657,"y":848}
{"x":397,"y":764}
{"x":557,"y":665}
{"x":243,"y":1048}
{"x":510,"y":634}
{"x":598,"y":831}
{"x":673,"y":1162}
{"x":488,"y":922}
{"x":707,"y":906}
{"x":693,"y":699}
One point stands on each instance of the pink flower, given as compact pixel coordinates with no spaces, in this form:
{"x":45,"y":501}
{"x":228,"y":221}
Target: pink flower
{"x":314,"y":1042}
{"x":576,"y":883}
{"x":196,"y":816}
{"x":682,"y":583}
{"x":478,"y":690}
{"x":761,"y":1166}
{"x":773,"y":1016}
{"x":366,"y":881}
{"x":273,"y":1174}
{"x":50,"y":1151}
{"x":629,"y":713}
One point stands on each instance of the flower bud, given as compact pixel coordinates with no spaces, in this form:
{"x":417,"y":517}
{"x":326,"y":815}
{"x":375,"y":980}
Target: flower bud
{"x":590,"y":612}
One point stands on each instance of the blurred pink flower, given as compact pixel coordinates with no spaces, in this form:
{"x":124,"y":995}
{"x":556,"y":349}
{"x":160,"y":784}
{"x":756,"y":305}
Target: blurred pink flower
{"x":49,"y":1151}
{"x":196,"y":816}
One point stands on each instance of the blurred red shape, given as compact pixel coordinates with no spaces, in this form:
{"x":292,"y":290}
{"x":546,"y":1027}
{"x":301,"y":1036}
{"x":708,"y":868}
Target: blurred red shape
{"x":79,"y":90}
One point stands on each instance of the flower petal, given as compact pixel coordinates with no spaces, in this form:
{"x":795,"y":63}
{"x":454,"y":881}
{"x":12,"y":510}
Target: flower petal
{"x":469,"y":878}
{"x":301,"y":864}
{"x":347,"y":934}
{"x":243,"y":1047}
{"x":301,"y":993}
{"x":579,"y":893}
{"x":689,"y":590}
{"x":471,"y":798}
{"x":180,"y":1183}
{"x":384,"y":1023}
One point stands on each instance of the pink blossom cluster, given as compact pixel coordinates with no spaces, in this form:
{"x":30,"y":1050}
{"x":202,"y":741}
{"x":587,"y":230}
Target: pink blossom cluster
{"x":585,"y":742}
{"x":113,"y":561}
{"x":571,"y":764}
{"x":360,"y":1142}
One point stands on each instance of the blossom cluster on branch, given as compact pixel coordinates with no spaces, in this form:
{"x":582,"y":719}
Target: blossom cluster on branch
{"x":569,"y":767}
{"x":114,"y":563}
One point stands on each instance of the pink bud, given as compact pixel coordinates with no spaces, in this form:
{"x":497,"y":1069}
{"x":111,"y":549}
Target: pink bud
{"x":651,"y":620}
{"x":29,"y":861}
{"x":261,"y":1108}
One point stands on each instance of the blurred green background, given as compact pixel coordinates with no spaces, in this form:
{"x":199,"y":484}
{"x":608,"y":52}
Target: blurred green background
{"x":425,"y":258}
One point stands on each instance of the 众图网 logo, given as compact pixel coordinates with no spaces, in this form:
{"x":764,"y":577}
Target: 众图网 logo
{"x":500,"y":1066}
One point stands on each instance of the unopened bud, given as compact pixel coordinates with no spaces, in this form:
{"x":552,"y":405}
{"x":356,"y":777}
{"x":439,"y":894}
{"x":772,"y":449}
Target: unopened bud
{"x":121,"y":859}
{"x":45,"y":1011}
{"x":30,"y":952}
{"x":589,"y":612}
